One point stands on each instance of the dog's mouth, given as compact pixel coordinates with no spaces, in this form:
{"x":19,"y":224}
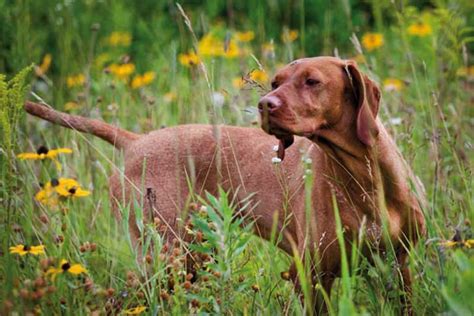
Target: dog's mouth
{"x":285,"y":142}
{"x":284,"y":136}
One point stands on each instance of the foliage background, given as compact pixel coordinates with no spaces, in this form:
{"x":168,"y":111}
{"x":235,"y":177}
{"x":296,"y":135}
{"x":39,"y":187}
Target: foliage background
{"x":429,"y":112}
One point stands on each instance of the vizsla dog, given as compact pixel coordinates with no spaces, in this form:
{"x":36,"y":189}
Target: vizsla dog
{"x":319,"y":108}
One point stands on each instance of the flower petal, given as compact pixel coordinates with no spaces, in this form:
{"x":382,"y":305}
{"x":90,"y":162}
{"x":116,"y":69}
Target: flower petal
{"x":28,"y":156}
{"x":135,"y":311}
{"x":18,"y":249}
{"x":76,"y":269}
{"x":53,"y":272}
{"x":81,"y":193}
{"x":37,"y":250}
{"x":64,"y":150}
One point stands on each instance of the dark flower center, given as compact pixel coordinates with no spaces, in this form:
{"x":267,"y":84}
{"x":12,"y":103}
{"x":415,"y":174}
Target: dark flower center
{"x":66,"y":266}
{"x":42,"y":150}
{"x":54,"y":182}
{"x":72,"y":190}
{"x":26,"y":248}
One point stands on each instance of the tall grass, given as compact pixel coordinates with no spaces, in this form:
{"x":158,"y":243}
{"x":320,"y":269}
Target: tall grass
{"x":431,"y":119}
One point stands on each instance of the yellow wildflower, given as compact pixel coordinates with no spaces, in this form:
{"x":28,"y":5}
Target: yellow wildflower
{"x":466,"y":71}
{"x":259,"y":76}
{"x":44,"y":153}
{"x":66,"y":266}
{"x":75,"y":80}
{"x":169,"y":97}
{"x":47,"y":196}
{"x":135,"y":311}
{"x":71,"y":106}
{"x":71,"y":191}
{"x":238,"y":83}
{"x":190,"y":59}
{"x":67,"y":187}
{"x":372,"y":41}
{"x":420,"y":29}
{"x":245,"y":36}
{"x":392,"y":84}
{"x":231,"y":50}
{"x":449,"y":244}
{"x":119,"y":39}
{"x":289,"y":36}
{"x":122,"y":71}
{"x":62,"y":187}
{"x":469,"y":243}
{"x":25,"y":249}
{"x":45,"y":64}
{"x":210,"y":45}
{"x":143,"y":80}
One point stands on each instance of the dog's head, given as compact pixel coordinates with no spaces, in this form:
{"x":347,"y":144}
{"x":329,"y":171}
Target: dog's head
{"x":321,"y":98}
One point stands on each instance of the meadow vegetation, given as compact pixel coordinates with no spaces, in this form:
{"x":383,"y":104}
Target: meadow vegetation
{"x":147,"y":64}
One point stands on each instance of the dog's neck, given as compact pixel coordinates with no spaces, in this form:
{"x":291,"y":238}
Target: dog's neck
{"x":377,"y":174}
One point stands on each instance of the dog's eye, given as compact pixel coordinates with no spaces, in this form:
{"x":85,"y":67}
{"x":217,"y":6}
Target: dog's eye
{"x":274,"y":85}
{"x":311,"y":82}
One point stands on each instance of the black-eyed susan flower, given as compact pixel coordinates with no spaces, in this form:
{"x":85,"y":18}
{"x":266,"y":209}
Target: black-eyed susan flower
{"x":211,"y":45}
{"x":62,"y":187}
{"x":68,"y":188}
{"x":466,"y":72}
{"x":190,"y":59}
{"x":245,"y":36}
{"x":123,"y":71}
{"x":259,"y":75}
{"x":468,"y":243}
{"x":44,"y":153}
{"x":25,"y":249}
{"x":71,"y":106}
{"x":238,"y":83}
{"x":372,"y":41}
{"x":392,"y":84}
{"x":420,"y":29}
{"x":143,"y":80}
{"x":75,"y":80}
{"x":231,"y":49}
{"x":44,"y":66}
{"x":66,"y":266}
{"x":119,"y":39}
{"x":47,"y":196}
{"x":135,"y":310}
{"x":289,"y":36}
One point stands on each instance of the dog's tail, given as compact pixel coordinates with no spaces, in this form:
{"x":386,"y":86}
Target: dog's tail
{"x":116,"y":136}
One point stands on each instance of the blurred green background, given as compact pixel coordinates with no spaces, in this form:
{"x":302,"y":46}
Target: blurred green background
{"x":137,"y":64}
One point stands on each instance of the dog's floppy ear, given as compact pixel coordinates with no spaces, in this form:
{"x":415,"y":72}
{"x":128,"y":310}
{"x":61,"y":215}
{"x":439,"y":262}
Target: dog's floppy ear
{"x":367,"y":96}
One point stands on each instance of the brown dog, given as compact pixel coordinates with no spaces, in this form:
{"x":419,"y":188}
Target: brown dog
{"x":332,"y":108}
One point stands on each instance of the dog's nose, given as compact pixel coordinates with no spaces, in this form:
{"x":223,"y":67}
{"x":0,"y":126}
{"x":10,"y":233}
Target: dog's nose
{"x":271,"y":103}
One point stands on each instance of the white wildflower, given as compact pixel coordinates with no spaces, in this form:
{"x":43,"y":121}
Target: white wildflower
{"x":218,"y":99}
{"x":276,"y":160}
{"x":395,"y":120}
